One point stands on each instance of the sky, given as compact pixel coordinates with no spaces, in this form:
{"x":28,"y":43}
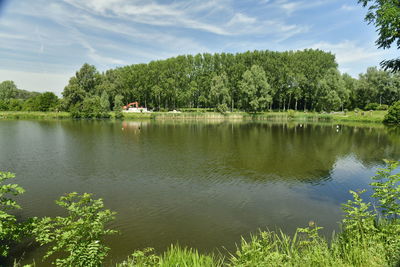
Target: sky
{"x":43,"y":43}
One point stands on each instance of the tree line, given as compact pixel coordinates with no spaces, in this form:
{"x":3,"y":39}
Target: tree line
{"x":251,"y":81}
{"x":14,"y":99}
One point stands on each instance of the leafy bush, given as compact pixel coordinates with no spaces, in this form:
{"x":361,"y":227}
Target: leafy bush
{"x":371,"y":106}
{"x":375,"y":106}
{"x":358,"y":219}
{"x":291,"y":113}
{"x":76,"y":237}
{"x":46,"y":101}
{"x":387,"y":190}
{"x":90,"y":108}
{"x":382,"y":107}
{"x":10,"y":230}
{"x":393,"y":115}
{"x":222,"y":108}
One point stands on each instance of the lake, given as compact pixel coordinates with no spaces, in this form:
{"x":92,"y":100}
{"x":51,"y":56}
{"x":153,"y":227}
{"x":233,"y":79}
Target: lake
{"x":199,"y":184}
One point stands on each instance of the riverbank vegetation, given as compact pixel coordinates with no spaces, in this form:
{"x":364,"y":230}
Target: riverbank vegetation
{"x":206,"y":114}
{"x":369,"y":236}
{"x":252,"y":82}
{"x":393,"y":114}
{"x":256,"y":81}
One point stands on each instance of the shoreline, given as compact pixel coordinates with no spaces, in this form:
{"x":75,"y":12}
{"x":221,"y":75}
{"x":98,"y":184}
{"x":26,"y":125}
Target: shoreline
{"x":366,"y":116}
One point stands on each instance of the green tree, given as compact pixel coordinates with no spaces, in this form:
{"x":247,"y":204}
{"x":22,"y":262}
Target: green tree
{"x":83,"y":84}
{"x":91,"y":107}
{"x":118,"y":104}
{"x":104,"y":102}
{"x":14,"y":104}
{"x":220,"y":92}
{"x":255,"y":89}
{"x":46,"y":101}
{"x":350,"y":84}
{"x":73,"y":94}
{"x":384,"y":14}
{"x":77,"y":238}
{"x":327,"y":95}
{"x":376,"y":86}
{"x":8,"y":90}
{"x":88,"y":78}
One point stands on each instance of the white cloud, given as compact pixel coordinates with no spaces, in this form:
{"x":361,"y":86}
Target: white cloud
{"x":151,"y":13}
{"x":240,"y":18}
{"x":189,"y":15}
{"x":348,"y":7}
{"x":349,"y":51}
{"x":290,"y":7}
{"x":4,"y":35}
{"x":354,"y":57}
{"x":109,"y":33}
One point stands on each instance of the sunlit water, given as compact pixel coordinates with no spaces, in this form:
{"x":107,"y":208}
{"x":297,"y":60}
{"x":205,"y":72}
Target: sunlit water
{"x":199,"y":184}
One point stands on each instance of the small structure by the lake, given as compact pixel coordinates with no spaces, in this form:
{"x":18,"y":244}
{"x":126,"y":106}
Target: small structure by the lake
{"x":134,"y":107}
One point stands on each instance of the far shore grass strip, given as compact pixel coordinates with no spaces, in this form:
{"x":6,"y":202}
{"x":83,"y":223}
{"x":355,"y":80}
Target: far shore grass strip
{"x":360,"y":116}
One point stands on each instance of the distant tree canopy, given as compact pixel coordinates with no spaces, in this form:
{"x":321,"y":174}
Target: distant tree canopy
{"x":251,"y":81}
{"x":14,"y":99}
{"x":385,"y":15}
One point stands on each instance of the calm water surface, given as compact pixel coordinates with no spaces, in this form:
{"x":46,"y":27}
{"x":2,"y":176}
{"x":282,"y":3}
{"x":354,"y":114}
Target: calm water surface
{"x":199,"y":184}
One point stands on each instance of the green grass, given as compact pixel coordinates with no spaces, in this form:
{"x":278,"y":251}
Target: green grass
{"x":174,"y":256}
{"x":305,"y":248}
{"x":33,"y":115}
{"x":366,"y":116}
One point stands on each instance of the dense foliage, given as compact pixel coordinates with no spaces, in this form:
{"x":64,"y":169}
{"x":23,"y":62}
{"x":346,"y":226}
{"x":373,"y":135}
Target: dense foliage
{"x":385,"y":14}
{"x":10,"y":230}
{"x":14,"y":99}
{"x":78,"y":236}
{"x":251,"y":81}
{"x":393,"y":115}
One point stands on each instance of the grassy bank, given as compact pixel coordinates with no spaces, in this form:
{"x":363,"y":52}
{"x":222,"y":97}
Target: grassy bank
{"x":370,"y":116}
{"x":305,"y":248}
{"x":367,"y":116}
{"x":33,"y":115}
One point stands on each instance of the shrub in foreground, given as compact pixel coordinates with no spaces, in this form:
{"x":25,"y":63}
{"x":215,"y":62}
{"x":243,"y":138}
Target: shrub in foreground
{"x":10,"y":230}
{"x":76,"y":238}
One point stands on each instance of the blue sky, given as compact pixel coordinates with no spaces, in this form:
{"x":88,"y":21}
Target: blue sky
{"x":44,"y":42}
